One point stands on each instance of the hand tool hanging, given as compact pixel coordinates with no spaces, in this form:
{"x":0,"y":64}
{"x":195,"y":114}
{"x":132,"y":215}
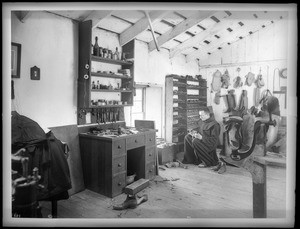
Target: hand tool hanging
{"x":282,"y":89}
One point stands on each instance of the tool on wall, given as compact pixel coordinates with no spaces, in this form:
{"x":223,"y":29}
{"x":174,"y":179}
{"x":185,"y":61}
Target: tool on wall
{"x":237,"y":81}
{"x":282,"y":89}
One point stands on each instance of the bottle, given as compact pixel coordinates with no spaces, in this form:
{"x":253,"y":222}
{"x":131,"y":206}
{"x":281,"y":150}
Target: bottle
{"x":92,"y":49}
{"x":96,"y":47}
{"x":98,"y":85}
{"x":100,"y":51}
{"x":93,"y":85}
{"x":116,"y":54}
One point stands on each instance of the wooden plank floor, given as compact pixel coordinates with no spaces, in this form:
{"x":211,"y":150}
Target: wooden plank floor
{"x":184,"y":193}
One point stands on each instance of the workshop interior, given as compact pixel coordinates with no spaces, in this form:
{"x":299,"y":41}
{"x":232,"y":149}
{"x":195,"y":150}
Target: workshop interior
{"x":187,"y":111}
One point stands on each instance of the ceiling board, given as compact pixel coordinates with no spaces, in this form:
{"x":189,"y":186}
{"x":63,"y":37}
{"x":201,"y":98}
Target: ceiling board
{"x":195,"y":30}
{"x":173,"y":18}
{"x":114,"y":24}
{"x":145,"y":36}
{"x":170,"y":44}
{"x":186,"y":13}
{"x":78,"y":15}
{"x":183,"y":37}
{"x":161,"y":27}
{"x":129,"y":15}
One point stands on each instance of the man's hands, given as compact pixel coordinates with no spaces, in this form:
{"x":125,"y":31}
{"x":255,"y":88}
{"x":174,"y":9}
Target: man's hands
{"x":195,"y":134}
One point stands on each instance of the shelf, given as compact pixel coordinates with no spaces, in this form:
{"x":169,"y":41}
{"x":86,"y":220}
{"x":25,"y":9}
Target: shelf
{"x":108,"y":90}
{"x":105,"y":106}
{"x":110,"y":61}
{"x":98,"y":74}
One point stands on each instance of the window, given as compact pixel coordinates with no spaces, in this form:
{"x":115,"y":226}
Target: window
{"x":138,"y":108}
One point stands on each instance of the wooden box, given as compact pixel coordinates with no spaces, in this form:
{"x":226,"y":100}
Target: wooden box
{"x":166,"y":153}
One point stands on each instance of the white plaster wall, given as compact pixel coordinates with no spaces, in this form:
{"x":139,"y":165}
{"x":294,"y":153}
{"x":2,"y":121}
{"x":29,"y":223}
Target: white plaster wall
{"x":50,"y":43}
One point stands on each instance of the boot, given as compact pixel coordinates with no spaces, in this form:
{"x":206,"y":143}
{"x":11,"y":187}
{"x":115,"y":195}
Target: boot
{"x":222,"y":168}
{"x":247,"y":133}
{"x":231,"y":100}
{"x":227,"y":110}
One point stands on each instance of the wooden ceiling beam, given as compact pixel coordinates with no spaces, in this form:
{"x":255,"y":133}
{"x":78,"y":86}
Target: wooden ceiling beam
{"x":250,"y":24}
{"x":97,"y":15}
{"x":22,"y":15}
{"x":200,"y":37}
{"x":140,"y":26}
{"x":180,"y":28}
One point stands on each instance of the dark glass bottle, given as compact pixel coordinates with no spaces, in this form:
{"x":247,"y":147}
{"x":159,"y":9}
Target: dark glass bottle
{"x":96,"y":47}
{"x":116,"y":54}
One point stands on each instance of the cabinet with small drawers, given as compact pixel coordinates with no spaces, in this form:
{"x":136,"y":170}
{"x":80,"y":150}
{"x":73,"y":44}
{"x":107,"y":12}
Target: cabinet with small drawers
{"x":107,"y":160}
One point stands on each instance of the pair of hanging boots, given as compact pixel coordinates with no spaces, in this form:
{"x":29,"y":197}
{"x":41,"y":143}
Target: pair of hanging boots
{"x":230,"y":101}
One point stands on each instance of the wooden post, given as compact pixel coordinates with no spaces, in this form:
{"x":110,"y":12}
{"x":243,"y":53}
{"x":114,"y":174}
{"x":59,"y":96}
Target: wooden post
{"x":260,"y":194}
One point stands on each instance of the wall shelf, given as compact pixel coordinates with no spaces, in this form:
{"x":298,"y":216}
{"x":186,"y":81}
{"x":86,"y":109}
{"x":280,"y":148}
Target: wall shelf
{"x":110,"y":61}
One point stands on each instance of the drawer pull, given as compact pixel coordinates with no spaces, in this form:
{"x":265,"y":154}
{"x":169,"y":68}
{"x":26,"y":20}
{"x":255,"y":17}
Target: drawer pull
{"x":150,"y":154}
{"x":119,"y":165}
{"x":119,"y":184}
{"x":135,"y":140}
{"x":119,"y":147}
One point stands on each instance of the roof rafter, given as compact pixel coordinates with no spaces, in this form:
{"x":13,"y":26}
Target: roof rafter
{"x":199,"y":37}
{"x":141,"y":26}
{"x":250,"y":24}
{"x":180,"y":28}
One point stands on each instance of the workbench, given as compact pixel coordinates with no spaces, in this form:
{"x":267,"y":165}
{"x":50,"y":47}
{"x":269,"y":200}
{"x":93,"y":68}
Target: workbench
{"x":106,"y":160}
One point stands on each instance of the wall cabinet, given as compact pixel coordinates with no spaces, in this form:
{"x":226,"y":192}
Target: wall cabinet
{"x":185,"y":96}
{"x":98,"y":86}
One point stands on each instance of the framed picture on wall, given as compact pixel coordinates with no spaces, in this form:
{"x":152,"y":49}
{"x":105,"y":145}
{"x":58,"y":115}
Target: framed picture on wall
{"x":15,"y":60}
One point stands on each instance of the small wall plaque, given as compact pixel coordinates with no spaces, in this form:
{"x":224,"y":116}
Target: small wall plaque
{"x":35,"y":73}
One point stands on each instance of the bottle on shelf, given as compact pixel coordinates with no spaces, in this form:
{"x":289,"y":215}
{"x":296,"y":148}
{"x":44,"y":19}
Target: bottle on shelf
{"x":104,"y":53}
{"x":116,"y":54}
{"x":98,"y":85}
{"x":96,"y":47}
{"x":110,"y":54}
{"x":93,"y":85}
{"x":100,"y":51}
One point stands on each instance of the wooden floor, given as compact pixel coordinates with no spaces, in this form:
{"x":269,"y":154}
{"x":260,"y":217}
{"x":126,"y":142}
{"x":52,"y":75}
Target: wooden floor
{"x":184,"y":193}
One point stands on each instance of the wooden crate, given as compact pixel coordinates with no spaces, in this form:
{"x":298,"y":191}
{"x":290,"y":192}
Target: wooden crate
{"x":166,"y":153}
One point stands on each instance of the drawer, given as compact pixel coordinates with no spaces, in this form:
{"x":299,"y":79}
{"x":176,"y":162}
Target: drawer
{"x":119,"y":165}
{"x":150,"y":154}
{"x":118,"y":147}
{"x":135,"y":141}
{"x":150,"y":138}
{"x":150,"y":171}
{"x":118,"y":183}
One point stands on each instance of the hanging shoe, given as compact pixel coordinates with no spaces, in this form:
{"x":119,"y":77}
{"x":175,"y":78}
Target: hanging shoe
{"x":222,"y":169}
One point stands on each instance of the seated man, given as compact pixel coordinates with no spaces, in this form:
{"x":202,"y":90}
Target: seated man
{"x":200,"y":145}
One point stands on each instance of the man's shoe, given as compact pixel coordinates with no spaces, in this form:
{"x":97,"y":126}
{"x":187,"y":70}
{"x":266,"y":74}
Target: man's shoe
{"x":222,"y":168}
{"x":216,"y":167}
{"x":202,"y":165}
{"x":130,"y":202}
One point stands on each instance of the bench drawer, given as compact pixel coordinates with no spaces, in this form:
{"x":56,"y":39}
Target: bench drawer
{"x":118,"y":148}
{"x":135,"y":142}
{"x":119,"y":165}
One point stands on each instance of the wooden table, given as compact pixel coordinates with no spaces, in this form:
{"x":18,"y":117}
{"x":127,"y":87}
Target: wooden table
{"x":106,"y":160}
